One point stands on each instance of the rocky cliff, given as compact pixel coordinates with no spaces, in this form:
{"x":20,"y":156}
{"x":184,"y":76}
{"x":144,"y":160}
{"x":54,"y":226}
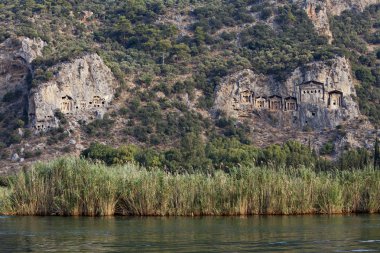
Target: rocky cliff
{"x":81,"y":90}
{"x":16,"y":56}
{"x":320,"y":10}
{"x":319,"y":95}
{"x":315,"y":105}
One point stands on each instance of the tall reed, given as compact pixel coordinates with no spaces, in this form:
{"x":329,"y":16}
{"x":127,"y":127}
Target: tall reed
{"x":65,"y":187}
{"x":5,"y":205}
{"x":78,"y":187}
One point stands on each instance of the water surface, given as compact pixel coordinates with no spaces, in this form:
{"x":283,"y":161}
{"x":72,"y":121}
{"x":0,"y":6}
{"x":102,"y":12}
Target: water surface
{"x":359,"y":233}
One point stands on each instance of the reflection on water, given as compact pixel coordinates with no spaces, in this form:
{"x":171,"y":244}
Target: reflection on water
{"x":207,"y":234}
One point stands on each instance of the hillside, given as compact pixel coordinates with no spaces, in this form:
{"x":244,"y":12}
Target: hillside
{"x":190,"y":84}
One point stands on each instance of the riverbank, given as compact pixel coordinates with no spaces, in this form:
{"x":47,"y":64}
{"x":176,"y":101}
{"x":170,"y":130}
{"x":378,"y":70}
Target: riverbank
{"x":74,"y":187}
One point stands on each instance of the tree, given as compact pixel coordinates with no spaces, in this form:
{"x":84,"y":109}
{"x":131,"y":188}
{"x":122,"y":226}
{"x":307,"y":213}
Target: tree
{"x":193,"y":153}
{"x":181,"y":51}
{"x":109,"y":155}
{"x":200,"y":35}
{"x":29,"y":4}
{"x":164,"y":46}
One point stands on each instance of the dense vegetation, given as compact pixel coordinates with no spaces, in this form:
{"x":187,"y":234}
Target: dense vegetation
{"x":223,"y":36}
{"x":352,"y":32}
{"x":77,"y":187}
{"x":194,"y":155}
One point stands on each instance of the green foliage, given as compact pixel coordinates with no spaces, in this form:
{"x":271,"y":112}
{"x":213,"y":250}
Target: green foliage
{"x":327,"y":149}
{"x":4,"y":181}
{"x":56,"y":135}
{"x":352,"y":31}
{"x":109,"y":155}
{"x":60,"y":116}
{"x":354,"y":159}
{"x":290,"y":154}
{"x":135,"y":41}
{"x":231,"y":128}
{"x":99,"y":127}
{"x":32,"y":154}
{"x":194,"y":155}
{"x":227,"y":153}
{"x":279,"y":53}
{"x":266,"y":13}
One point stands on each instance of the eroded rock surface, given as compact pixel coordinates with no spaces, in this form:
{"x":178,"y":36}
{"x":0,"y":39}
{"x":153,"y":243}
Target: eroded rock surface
{"x":16,"y":55}
{"x":81,"y":90}
{"x":320,"y":10}
{"x":319,"y":95}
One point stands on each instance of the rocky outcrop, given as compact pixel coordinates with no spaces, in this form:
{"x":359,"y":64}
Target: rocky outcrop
{"x":338,"y":86}
{"x":229,"y":93}
{"x":16,"y":55}
{"x":320,"y":10}
{"x":29,"y":49}
{"x":318,"y":14}
{"x":81,"y":90}
{"x":319,"y":95}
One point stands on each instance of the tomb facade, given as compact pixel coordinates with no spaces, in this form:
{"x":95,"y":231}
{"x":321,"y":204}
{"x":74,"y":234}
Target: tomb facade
{"x":79,"y":95}
{"x":290,"y":104}
{"x":319,"y":95}
{"x":275,"y":103}
{"x":312,"y":92}
{"x":246,"y":97}
{"x":335,"y":99}
{"x":67,"y":104}
{"x":261,"y":103}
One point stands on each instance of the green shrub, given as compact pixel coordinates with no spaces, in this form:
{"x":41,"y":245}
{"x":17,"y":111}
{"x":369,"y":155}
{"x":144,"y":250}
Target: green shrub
{"x":110,"y":155}
{"x":327,"y":149}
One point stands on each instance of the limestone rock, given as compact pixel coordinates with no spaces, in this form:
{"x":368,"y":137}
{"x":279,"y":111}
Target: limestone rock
{"x":81,"y":90}
{"x":16,"y":54}
{"x":26,"y":48}
{"x":79,"y":147}
{"x":336,"y":7}
{"x":319,"y":95}
{"x":336,"y":103}
{"x":20,"y":132}
{"x":39,"y":146}
{"x":230,"y":92}
{"x":320,"y":10}
{"x":15,"y":157}
{"x":31,"y":49}
{"x":317,"y":11}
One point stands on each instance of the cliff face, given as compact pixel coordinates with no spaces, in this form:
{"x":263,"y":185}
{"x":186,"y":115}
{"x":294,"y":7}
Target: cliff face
{"x":320,"y":10}
{"x":81,"y":90}
{"x":15,"y":58}
{"x":333,"y":104}
{"x":319,"y":95}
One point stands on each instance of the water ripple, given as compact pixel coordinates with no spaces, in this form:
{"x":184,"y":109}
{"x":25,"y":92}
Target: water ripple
{"x":370,"y":241}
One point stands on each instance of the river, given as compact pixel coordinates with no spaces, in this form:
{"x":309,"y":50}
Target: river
{"x":356,"y":233}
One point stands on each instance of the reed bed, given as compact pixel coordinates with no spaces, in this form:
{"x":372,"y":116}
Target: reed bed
{"x":72,"y":187}
{"x":5,"y":205}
